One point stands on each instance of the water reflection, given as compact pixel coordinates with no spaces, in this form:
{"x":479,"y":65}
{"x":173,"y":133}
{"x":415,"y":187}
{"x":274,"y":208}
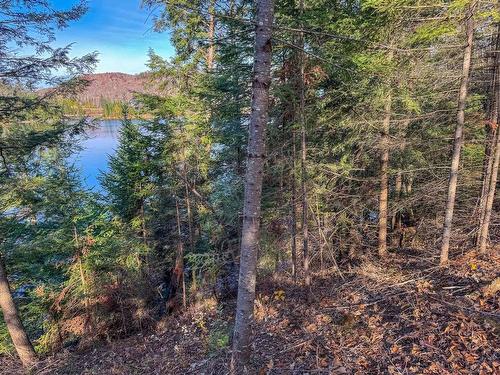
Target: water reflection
{"x":93,"y":157}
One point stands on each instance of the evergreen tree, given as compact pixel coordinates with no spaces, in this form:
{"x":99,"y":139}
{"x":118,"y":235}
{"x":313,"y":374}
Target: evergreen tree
{"x":29,"y":122}
{"x":128,"y":181}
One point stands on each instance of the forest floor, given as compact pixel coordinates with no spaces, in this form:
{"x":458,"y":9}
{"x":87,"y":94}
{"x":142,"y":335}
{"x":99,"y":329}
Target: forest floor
{"x":403,"y":315}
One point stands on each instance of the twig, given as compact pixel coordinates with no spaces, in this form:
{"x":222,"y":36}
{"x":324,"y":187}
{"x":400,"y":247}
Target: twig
{"x":295,"y":346}
{"x":474,"y":311}
{"x":368,"y":303}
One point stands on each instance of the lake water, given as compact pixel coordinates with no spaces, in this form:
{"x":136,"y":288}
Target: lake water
{"x":93,"y":158}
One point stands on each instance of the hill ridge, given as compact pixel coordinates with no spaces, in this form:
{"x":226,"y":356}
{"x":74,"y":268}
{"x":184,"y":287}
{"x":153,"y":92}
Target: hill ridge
{"x":114,"y":87}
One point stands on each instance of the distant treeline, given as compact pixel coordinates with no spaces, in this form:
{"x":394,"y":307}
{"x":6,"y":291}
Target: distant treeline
{"x":108,"y":109}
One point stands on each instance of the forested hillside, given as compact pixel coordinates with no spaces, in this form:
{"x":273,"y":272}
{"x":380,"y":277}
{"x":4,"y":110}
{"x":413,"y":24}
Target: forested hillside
{"x":305,"y":187}
{"x":113,"y":87}
{"x":104,"y":94}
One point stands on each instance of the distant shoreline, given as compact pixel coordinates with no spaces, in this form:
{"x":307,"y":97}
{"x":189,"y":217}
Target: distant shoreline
{"x":97,"y":116}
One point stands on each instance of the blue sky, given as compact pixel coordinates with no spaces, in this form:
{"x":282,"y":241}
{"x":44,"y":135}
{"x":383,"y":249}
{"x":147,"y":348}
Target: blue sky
{"x":120,"y":30}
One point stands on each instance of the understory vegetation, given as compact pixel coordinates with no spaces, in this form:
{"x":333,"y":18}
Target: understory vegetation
{"x":327,"y":169}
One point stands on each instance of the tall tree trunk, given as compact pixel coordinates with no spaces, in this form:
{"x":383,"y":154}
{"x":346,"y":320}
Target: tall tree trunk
{"x":143,"y":224}
{"x":253,"y":186}
{"x":189,"y":216}
{"x":484,"y":229}
{"x":320,"y":240}
{"x":458,"y":138}
{"x":492,"y":130}
{"x":293,"y":202}
{"x":13,"y":322}
{"x":211,"y":36}
{"x":303,"y":157}
{"x":396,"y":224}
{"x":486,"y":175}
{"x":179,"y":260}
{"x":384,"y":178}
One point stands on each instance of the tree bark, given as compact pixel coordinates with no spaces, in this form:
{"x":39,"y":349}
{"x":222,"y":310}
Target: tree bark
{"x":484,"y":229}
{"x":177,"y":276}
{"x":490,"y":147}
{"x":396,"y":224}
{"x":13,"y":322}
{"x":143,"y":223}
{"x":384,"y":178}
{"x":486,"y":176}
{"x":305,"y":226}
{"x":303,"y":158}
{"x":253,"y":187}
{"x":211,"y":35}
{"x":293,"y":228}
{"x":321,"y":243}
{"x":179,"y":260}
{"x":458,"y":138}
{"x":189,"y":216}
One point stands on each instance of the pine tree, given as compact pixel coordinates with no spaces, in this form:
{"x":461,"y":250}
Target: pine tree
{"x":128,"y":180}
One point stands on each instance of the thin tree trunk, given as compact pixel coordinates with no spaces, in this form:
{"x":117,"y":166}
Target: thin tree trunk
{"x":486,"y":176}
{"x":184,"y":299}
{"x":143,"y":223}
{"x":294,"y":210}
{"x":211,"y":35}
{"x":321,"y":244}
{"x":80,"y":266}
{"x":396,"y":216}
{"x":190,"y":220}
{"x":187,"y":200}
{"x":483,"y":235}
{"x":305,"y":227}
{"x":79,"y":252}
{"x":177,"y":276}
{"x":384,"y":178}
{"x":179,"y":260}
{"x":253,"y":187}
{"x":492,"y":129}
{"x":458,"y":138}
{"x":13,"y":322}
{"x":303,"y":159}
{"x":190,"y":217}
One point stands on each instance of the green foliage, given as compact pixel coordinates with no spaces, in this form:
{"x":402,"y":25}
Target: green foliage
{"x":112,"y":109}
{"x":127,"y":181}
{"x":271,"y":253}
{"x":432,"y":32}
{"x":86,"y":267}
{"x":63,"y":249}
{"x":5,"y":341}
{"x":218,"y":337}
{"x":106,"y":109}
